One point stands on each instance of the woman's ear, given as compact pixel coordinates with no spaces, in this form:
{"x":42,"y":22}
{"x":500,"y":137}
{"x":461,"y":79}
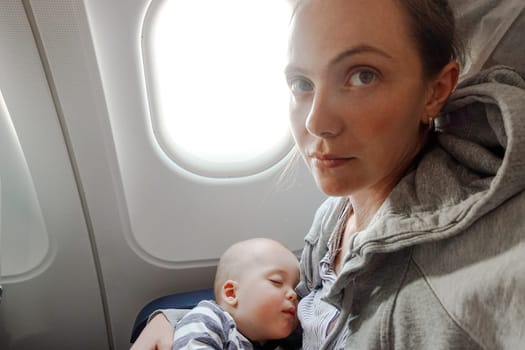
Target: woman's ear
{"x":440,"y":89}
{"x":229,"y":293}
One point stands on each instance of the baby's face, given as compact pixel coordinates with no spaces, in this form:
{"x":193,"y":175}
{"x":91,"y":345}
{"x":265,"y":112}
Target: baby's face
{"x":267,"y":302}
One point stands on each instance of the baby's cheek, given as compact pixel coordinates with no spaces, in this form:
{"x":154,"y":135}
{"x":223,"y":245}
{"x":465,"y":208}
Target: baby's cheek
{"x":296,"y":323}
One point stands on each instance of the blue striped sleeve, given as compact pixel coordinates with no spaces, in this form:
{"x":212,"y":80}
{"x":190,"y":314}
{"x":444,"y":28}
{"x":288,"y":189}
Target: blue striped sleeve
{"x":204,"y":327}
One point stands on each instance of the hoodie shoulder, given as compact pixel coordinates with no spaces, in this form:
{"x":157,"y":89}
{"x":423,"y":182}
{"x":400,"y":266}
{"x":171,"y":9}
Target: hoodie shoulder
{"x":479,"y":276}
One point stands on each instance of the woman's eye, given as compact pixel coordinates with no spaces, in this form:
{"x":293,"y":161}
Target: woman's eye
{"x":300,"y":86}
{"x":363,"y":77}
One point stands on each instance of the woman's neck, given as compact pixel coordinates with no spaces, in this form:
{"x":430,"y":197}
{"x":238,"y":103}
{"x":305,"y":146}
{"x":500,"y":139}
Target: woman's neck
{"x":365,"y":204}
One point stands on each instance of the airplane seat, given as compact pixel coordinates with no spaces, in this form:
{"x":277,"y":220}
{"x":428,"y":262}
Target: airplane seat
{"x":492,"y":31}
{"x":184,"y":300}
{"x":510,"y":50}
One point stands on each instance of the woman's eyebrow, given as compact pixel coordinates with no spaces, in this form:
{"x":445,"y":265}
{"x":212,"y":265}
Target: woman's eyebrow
{"x":359,"y":49}
{"x":290,"y":70}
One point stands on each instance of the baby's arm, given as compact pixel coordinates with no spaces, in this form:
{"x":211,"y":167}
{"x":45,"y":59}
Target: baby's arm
{"x":201,"y":328}
{"x":157,"y":335}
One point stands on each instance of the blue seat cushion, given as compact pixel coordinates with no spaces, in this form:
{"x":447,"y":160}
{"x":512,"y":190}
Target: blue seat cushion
{"x":184,"y":300}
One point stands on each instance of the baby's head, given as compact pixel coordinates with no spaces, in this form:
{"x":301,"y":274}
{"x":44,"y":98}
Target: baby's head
{"x":255,"y":283}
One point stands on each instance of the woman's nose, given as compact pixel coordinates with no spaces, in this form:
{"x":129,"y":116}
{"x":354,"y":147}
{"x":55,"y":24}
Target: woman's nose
{"x":322,"y":120}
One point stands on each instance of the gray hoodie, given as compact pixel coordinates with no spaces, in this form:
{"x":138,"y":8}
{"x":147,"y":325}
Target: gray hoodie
{"x":442,"y":264}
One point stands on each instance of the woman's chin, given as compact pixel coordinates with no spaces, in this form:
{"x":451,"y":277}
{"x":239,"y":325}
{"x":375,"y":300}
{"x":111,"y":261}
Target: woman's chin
{"x":332,"y":188}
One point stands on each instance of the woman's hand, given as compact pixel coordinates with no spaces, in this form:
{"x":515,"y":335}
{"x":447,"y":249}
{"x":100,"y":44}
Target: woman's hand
{"x":157,"y":335}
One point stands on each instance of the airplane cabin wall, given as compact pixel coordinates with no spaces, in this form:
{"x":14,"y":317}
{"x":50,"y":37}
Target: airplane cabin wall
{"x":49,"y":273}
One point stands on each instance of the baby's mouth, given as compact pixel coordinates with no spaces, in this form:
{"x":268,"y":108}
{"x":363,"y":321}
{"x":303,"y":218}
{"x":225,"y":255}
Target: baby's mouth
{"x":290,"y":310}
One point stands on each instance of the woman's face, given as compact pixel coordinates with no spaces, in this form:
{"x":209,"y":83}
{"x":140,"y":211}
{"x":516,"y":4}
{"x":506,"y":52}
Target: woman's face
{"x":357,"y":93}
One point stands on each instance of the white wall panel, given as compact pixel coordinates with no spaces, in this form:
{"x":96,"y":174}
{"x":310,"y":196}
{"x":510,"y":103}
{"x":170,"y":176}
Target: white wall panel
{"x":52,"y":297}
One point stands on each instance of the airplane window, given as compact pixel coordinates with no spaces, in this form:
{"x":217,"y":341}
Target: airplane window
{"x":214,"y":74}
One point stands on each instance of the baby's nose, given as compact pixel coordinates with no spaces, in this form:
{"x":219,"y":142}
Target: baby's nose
{"x":291,"y":295}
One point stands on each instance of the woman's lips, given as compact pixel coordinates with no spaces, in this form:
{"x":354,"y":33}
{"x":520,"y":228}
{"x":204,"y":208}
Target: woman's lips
{"x":329,"y":161}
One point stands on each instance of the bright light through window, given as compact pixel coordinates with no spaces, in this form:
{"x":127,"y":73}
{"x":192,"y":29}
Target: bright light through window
{"x":218,"y":95}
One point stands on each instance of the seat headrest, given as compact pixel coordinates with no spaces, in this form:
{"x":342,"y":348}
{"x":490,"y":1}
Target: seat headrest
{"x":493,"y":33}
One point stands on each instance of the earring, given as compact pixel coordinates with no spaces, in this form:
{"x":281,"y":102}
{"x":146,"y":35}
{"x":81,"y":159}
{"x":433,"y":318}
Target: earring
{"x":431,"y":124}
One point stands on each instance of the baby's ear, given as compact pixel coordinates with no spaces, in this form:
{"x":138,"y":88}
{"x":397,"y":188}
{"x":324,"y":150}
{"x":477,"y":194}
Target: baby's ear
{"x":229,"y":293}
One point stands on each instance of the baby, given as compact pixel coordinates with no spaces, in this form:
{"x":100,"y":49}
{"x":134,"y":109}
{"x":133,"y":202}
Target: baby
{"x":255,"y":300}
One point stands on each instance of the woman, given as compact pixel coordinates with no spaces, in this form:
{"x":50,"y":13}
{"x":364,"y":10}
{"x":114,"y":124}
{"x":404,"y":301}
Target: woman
{"x":421,"y":244}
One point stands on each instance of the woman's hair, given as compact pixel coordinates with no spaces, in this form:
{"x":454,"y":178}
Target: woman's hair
{"x":433,"y":28}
